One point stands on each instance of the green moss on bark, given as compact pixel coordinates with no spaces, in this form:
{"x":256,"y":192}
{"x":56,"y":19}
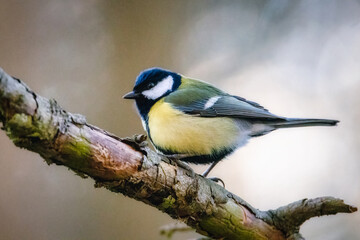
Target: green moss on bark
{"x":79,"y":150}
{"x":168,"y":202}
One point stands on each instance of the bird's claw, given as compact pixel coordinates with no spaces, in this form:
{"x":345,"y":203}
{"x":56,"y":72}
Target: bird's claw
{"x":176,"y":160}
{"x":217,"y":180}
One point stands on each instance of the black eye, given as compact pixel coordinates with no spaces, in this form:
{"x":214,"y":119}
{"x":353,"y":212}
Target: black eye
{"x":150,"y":85}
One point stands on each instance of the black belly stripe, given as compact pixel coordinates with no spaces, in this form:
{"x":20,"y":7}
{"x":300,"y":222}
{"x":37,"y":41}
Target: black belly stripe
{"x":200,"y":159}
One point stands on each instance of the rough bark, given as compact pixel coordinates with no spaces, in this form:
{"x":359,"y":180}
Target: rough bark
{"x":129,"y":167}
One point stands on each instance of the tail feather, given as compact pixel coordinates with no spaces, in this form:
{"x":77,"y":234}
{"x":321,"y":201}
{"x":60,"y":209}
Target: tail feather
{"x":303,"y":122}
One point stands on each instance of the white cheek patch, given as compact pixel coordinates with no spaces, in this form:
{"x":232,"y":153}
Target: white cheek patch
{"x":160,"y":89}
{"x":211,"y":102}
{"x":143,"y":124}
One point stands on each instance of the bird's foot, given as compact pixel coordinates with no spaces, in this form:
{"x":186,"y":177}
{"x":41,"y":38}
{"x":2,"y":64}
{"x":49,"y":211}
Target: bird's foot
{"x":217,"y":180}
{"x":176,"y":159}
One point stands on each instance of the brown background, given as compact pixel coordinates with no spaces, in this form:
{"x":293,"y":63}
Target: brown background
{"x":297,"y":58}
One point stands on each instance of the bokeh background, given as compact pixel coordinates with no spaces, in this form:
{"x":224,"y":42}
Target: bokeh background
{"x":297,"y":58}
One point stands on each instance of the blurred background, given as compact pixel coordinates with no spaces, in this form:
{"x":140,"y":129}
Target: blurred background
{"x":297,"y":58}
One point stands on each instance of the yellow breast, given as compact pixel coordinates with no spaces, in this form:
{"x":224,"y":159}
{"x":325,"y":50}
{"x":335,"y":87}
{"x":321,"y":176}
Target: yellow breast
{"x":172,"y":130}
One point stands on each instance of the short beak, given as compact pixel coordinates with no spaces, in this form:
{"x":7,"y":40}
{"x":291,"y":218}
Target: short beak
{"x":131,"y":95}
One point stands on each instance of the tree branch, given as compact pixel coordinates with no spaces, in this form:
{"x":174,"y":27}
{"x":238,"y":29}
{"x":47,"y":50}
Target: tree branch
{"x":169,"y":229}
{"x":129,"y":167}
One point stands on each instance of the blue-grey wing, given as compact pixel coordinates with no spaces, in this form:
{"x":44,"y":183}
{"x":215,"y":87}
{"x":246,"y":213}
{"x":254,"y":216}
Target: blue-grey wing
{"x":224,"y":106}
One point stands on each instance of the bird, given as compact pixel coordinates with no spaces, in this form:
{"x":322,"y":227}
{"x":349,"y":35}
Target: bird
{"x":196,"y":122}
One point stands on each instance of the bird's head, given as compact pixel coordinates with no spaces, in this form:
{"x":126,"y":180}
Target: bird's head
{"x":151,"y":85}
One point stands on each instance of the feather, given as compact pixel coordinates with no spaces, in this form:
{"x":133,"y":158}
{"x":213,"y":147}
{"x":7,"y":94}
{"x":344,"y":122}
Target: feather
{"x":193,"y":97}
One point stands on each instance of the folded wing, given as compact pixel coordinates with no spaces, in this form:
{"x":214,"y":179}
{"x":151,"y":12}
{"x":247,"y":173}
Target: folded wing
{"x":205,"y":103}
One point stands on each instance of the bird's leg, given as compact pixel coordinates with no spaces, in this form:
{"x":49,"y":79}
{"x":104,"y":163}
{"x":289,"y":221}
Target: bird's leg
{"x":215,"y":179}
{"x":185,"y":166}
{"x":177,"y":159}
{"x":207,"y":171}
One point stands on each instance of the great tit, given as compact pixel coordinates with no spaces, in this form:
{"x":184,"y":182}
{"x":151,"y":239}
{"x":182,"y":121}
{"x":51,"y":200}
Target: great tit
{"x":198,"y":122}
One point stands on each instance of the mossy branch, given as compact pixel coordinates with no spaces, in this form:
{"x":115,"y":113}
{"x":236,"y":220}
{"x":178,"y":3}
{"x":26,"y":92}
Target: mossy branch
{"x":129,"y":167}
